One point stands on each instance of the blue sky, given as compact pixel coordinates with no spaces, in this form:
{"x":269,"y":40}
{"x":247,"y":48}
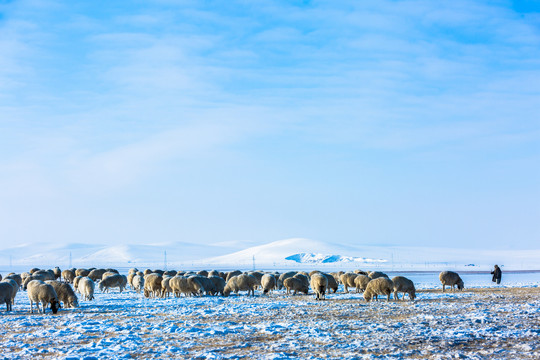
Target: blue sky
{"x":387,"y":122}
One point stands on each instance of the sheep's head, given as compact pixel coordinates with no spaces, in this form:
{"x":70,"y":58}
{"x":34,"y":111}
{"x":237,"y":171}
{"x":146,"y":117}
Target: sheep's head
{"x":55,"y":305}
{"x":227,"y":290}
{"x":367,"y":296}
{"x":74,"y":302}
{"x":412,"y":294}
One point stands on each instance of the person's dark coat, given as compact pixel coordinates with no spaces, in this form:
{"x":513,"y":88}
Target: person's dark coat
{"x":497,"y":275}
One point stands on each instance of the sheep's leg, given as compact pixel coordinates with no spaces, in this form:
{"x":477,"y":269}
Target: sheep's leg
{"x":443,"y":288}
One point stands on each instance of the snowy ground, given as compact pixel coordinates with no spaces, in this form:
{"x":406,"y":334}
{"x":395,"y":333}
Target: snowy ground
{"x":481,"y":323}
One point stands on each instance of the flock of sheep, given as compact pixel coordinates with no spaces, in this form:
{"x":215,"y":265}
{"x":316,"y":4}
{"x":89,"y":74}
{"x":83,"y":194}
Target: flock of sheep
{"x":55,"y":287}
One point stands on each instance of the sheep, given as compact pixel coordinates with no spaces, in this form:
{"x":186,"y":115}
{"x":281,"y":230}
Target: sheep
{"x":0,"y":277}
{"x":16,"y":277}
{"x":152,"y":285}
{"x":206,"y":284}
{"x":6,"y":294}
{"x":268,"y":283}
{"x":82,"y":272}
{"x":319,"y":284}
{"x":257,"y":275}
{"x":44,"y":293}
{"x":165,"y":286}
{"x":332,"y":283}
{"x":115,"y":280}
{"x":130,"y":279}
{"x":282,"y":277}
{"x":304,"y":278}
{"x":404,"y":285}
{"x":347,"y":280}
{"x":133,"y":271}
{"x":240,"y":282}
{"x":97,"y":274}
{"x":57,"y":273}
{"x":360,"y":272}
{"x":230,"y":274}
{"x":86,"y":288}
{"x":451,"y":278}
{"x":137,"y":283}
{"x":68,"y":276}
{"x":65,"y":293}
{"x":361,"y":282}
{"x":105,"y":274}
{"x":203,"y":273}
{"x":379,"y":286}
{"x":195,"y":284}
{"x":33,"y":270}
{"x":170,"y":273}
{"x":377,"y":274}
{"x":147,"y":272}
{"x":214,"y":273}
{"x":15,"y":286}
{"x":219,"y":283}
{"x":36,"y":276}
{"x":296,"y":284}
{"x":337,"y":276}
{"x":157,"y":271}
{"x":76,"y":282}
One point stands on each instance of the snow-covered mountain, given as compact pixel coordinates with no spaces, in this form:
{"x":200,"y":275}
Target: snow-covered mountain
{"x":281,"y":254}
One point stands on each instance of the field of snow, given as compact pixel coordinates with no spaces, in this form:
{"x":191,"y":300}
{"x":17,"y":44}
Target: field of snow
{"x":483,"y":322}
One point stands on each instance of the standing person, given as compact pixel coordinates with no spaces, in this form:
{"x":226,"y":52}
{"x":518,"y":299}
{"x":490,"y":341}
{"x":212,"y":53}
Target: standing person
{"x":497,"y":274}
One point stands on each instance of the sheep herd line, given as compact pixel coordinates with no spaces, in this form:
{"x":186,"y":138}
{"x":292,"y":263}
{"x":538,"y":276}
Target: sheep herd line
{"x":54,"y":288}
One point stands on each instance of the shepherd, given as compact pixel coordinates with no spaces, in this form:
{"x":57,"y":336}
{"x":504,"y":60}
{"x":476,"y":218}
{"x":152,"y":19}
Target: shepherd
{"x":497,"y":274}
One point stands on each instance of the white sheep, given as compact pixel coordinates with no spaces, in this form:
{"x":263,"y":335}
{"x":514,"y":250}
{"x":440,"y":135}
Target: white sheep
{"x":138,"y":283}
{"x":165,"y":286}
{"x":361,"y":282}
{"x":44,"y":294}
{"x":404,"y":285}
{"x":268,"y":283}
{"x":296,"y":284}
{"x":377,"y":274}
{"x":242,"y":282}
{"x":319,"y":284}
{"x":65,"y":293}
{"x":347,"y":280}
{"x":152,"y":285}
{"x":15,"y":286}
{"x":111,"y":281}
{"x":282,"y":277}
{"x":219,"y":283}
{"x":16,"y":277}
{"x":76,"y":280}
{"x":379,"y":286}
{"x":87,"y":288}
{"x":6,"y":294}
{"x":451,"y":278}
{"x":68,"y":276}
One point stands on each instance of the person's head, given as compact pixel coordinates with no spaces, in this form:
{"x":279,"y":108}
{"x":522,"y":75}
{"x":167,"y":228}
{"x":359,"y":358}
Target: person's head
{"x":496,"y":266}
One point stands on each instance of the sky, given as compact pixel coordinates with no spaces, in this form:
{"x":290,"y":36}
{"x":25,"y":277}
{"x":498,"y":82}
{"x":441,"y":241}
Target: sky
{"x":399,"y":123}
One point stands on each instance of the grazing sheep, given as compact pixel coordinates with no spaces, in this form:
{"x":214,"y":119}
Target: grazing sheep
{"x":158,"y":271}
{"x":15,"y":288}
{"x":361,"y":282}
{"x":296,"y":284}
{"x":377,"y":274}
{"x":202,"y":273}
{"x":165,"y":286}
{"x":451,"y":278}
{"x":230,"y":274}
{"x":76,"y":282}
{"x":196,"y":284}
{"x":147,"y":272}
{"x":181,"y":285}
{"x":65,"y":293}
{"x":170,"y":273}
{"x":133,"y":271}
{"x":404,"y":285}
{"x":304,"y":278}
{"x":319,"y":284}
{"x":68,"y":276}
{"x":86,"y":288}
{"x":214,"y":273}
{"x":332,"y":283}
{"x":111,"y":281}
{"x":257,"y":275}
{"x":207,"y":284}
{"x":137,"y":283}
{"x":97,"y":274}
{"x":242,"y":282}
{"x":360,"y":272}
{"x":6,"y":294}
{"x":337,"y":275}
{"x":152,"y":285}
{"x":219,"y":283}
{"x":36,"y":276}
{"x":268,"y":283}
{"x":282,"y":277}
{"x":33,"y":270}
{"x":44,"y":294}
{"x":16,"y":277}
{"x":379,"y":286}
{"x":82,"y":272}
{"x":347,"y":280}
{"x":57,"y":273}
